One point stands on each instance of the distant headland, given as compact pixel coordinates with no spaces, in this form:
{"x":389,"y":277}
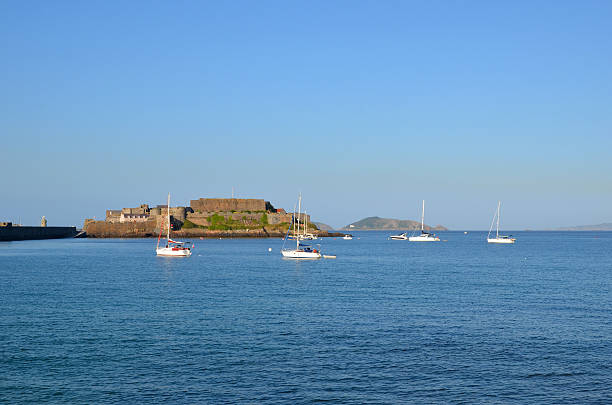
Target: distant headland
{"x":323,"y":227}
{"x":389,"y":224}
{"x":204,"y":217}
{"x":600,"y":227}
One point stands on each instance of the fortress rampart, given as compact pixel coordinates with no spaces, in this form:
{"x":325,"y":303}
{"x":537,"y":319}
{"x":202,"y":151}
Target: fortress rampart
{"x":227,"y":204}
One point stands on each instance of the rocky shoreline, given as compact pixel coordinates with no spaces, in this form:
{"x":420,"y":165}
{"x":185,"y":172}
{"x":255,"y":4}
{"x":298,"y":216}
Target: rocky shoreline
{"x":104,"y":231}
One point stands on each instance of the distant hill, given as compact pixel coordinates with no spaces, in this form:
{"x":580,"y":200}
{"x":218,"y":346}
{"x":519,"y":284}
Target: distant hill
{"x":600,"y":227}
{"x":390,"y":224}
{"x":323,"y":227}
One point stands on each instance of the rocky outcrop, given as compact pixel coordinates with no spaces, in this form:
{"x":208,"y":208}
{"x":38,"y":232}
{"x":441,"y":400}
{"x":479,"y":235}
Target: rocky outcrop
{"x":148,"y":229}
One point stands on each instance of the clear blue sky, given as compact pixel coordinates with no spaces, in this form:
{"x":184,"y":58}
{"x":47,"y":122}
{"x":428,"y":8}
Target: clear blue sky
{"x":366,"y":107}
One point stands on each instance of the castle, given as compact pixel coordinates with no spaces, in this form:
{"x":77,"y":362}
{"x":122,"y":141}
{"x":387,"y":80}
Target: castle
{"x":205,"y":213}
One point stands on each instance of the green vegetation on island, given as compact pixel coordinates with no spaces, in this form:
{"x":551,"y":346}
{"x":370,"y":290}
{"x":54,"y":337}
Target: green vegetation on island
{"x":219,"y":222}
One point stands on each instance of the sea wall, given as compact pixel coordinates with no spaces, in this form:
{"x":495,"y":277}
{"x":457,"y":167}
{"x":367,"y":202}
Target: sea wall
{"x":36,"y":232}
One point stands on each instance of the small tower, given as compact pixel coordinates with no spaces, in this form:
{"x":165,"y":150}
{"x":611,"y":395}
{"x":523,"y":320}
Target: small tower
{"x":43,"y":222}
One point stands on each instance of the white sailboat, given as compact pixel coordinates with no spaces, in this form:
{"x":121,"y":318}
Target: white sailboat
{"x":173,"y":248}
{"x":424,"y":236}
{"x":301,"y":250}
{"x":506,"y":239}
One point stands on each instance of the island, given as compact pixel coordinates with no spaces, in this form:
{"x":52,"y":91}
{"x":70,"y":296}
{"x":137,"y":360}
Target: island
{"x":389,"y":224}
{"x":203,"y":218}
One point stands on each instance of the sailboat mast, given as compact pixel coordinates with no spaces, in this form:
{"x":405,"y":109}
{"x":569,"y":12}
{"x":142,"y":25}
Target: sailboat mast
{"x":297,"y":236}
{"x":168,"y":216}
{"x":423,"y":217}
{"x":498,"y":206}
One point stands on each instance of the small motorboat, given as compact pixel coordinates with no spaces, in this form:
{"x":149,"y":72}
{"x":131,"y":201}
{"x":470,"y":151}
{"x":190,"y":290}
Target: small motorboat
{"x":401,"y":236}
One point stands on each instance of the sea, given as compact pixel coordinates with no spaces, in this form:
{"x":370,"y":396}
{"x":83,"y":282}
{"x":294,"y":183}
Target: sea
{"x":105,"y":321}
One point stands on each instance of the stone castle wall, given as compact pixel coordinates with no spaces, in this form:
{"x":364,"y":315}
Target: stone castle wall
{"x":178,"y":213}
{"x":103,"y":229}
{"x":281,"y":217}
{"x":118,"y":216}
{"x":228,"y":204}
{"x":113,"y":216}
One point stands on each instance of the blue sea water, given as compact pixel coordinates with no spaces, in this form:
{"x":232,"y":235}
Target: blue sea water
{"x":387,"y":322}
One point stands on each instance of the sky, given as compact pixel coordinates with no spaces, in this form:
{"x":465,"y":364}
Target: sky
{"x":365,"y":107}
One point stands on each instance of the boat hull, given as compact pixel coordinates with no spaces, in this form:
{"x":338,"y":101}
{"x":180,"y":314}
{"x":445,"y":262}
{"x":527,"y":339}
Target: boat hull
{"x":173,"y":252}
{"x":298,"y":254}
{"x":398,"y":238}
{"x":423,"y":239}
{"x":504,"y":241}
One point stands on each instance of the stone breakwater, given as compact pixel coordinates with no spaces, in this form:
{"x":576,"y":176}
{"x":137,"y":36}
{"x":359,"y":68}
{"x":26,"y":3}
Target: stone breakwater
{"x":36,"y":232}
